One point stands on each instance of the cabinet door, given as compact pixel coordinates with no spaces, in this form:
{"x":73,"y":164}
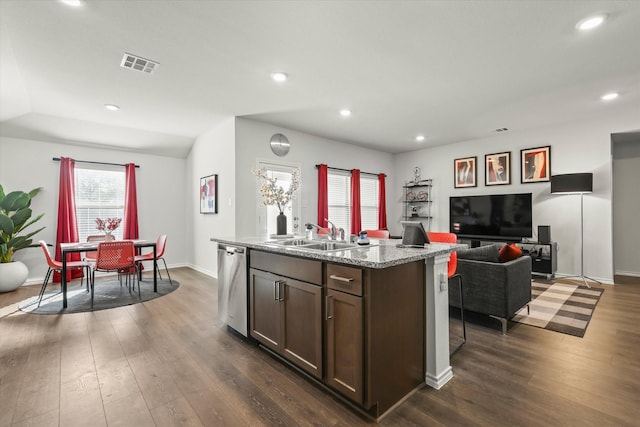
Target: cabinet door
{"x":265,"y":309}
{"x":344,"y":349}
{"x":302,"y":325}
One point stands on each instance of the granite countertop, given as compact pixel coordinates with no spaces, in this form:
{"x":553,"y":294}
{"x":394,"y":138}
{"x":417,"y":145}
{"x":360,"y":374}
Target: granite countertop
{"x":380,"y":253}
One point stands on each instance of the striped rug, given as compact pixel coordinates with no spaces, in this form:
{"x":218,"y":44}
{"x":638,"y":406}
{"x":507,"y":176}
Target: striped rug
{"x":560,"y":307}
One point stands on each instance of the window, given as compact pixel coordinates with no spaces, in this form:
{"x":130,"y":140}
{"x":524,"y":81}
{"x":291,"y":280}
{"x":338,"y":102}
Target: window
{"x":369,"y":201}
{"x":99,"y":194}
{"x":339,"y":199}
{"x":267,"y":214}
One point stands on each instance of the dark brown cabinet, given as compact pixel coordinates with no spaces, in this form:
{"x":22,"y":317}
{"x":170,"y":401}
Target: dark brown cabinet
{"x":372,"y":350}
{"x":344,"y":320}
{"x":286,"y":317}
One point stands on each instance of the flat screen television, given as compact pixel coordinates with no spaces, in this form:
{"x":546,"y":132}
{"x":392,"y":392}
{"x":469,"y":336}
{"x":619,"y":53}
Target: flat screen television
{"x":505,"y":217}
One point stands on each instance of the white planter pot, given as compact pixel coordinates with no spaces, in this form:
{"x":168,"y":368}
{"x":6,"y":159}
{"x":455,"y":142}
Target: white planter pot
{"x":12,"y":275}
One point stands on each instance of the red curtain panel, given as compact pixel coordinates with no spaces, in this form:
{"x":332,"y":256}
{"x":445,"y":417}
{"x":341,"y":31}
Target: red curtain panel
{"x":67,"y":222}
{"x":323,"y":194}
{"x":382,"y":202}
{"x":130,"y":231}
{"x":356,"y":222}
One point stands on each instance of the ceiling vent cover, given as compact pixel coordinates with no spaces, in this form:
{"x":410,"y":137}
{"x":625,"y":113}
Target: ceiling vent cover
{"x":138,"y":63}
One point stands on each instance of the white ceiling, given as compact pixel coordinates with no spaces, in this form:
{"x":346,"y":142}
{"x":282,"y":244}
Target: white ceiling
{"x":451,"y":70}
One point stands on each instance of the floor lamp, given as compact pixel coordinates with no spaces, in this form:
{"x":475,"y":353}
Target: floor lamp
{"x":575,"y":183}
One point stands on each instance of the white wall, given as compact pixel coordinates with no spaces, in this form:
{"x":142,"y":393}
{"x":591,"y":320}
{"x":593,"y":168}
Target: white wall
{"x":575,"y":147}
{"x":252,"y":144}
{"x":26,"y":164}
{"x":212,"y":153}
{"x":626,"y":206}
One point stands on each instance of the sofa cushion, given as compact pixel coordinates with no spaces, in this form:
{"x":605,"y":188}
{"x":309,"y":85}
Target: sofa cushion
{"x":482,"y":253}
{"x":509,"y":252}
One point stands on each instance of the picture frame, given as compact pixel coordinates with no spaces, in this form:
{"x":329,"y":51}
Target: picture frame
{"x":209,"y":194}
{"x":465,"y":172}
{"x":535,"y":164}
{"x":497,"y":169}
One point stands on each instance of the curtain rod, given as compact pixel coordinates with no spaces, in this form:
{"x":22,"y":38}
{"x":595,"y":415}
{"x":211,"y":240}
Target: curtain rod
{"x":349,"y":170}
{"x":57,"y":159}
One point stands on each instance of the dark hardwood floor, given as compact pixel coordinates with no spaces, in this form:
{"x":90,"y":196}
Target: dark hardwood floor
{"x":169,"y":362}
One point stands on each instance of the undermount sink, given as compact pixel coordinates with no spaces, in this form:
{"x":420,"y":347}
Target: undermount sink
{"x":325,"y":245}
{"x":331,"y":246}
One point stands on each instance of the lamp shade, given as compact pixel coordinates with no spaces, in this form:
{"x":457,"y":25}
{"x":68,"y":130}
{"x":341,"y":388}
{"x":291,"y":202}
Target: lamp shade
{"x":572,"y":183}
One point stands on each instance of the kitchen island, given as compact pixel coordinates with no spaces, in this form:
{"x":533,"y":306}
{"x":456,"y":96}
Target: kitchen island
{"x":371,"y":323}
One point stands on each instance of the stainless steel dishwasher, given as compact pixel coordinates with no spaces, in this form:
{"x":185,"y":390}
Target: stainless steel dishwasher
{"x":232,"y":286}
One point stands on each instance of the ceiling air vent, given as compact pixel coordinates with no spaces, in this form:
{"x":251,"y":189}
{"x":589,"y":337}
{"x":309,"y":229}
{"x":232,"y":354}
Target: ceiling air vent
{"x":137,"y":63}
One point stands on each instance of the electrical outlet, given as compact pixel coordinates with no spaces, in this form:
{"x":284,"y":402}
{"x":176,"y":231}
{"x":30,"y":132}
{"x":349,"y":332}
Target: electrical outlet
{"x":443,"y":282}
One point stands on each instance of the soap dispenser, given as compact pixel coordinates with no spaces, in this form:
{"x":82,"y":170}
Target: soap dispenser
{"x":309,"y":233}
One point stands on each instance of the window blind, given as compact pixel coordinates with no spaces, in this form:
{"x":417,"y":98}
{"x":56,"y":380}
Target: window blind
{"x":369,"y":202}
{"x":99,"y":194}
{"x":339,"y":194}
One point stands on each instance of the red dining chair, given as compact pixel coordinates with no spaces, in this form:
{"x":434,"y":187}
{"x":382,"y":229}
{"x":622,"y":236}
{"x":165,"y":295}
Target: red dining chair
{"x":378,"y":234}
{"x":57,"y":266}
{"x":115,"y":256}
{"x":442,"y":237}
{"x":92,"y":255}
{"x":161,"y":244}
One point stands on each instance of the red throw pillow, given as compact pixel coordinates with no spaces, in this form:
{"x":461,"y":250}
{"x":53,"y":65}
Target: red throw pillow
{"x":509,"y":252}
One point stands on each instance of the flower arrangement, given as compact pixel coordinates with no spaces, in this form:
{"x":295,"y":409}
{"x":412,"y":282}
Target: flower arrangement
{"x":274,"y":194}
{"x":108,"y":225}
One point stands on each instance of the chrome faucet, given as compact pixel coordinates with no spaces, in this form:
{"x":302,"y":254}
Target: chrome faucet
{"x":332,"y":233}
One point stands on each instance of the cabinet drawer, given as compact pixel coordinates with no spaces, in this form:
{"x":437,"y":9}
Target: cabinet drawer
{"x":344,"y":278}
{"x":541,"y":265}
{"x":297,"y":268}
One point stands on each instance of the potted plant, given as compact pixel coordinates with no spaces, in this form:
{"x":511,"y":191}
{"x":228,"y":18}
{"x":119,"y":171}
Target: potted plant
{"x":15,"y":216}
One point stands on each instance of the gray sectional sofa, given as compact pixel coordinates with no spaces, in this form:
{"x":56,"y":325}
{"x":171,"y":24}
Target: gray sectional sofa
{"x":498,"y":289}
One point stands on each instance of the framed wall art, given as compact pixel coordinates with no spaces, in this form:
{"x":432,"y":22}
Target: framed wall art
{"x":465,"y":172}
{"x":209,"y":194}
{"x":497,"y":169}
{"x":535,"y":164}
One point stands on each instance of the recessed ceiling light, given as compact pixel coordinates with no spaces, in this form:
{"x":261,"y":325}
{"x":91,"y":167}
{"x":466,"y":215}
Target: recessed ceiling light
{"x":345,"y":113}
{"x":74,"y":3}
{"x":609,"y":96}
{"x":591,"y":22}
{"x":111,"y":107}
{"x":279,"y":76}
{"x":420,"y":138}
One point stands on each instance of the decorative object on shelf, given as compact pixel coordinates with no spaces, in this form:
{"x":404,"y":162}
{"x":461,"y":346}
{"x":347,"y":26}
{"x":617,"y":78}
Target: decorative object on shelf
{"x":108,"y":226}
{"x":497,"y":169}
{"x":465,"y":172}
{"x":535,"y":164}
{"x":417,"y":201}
{"x":15,"y":216}
{"x":416,"y":174}
{"x":279,"y":145}
{"x":274,"y":194}
{"x":209,"y":194}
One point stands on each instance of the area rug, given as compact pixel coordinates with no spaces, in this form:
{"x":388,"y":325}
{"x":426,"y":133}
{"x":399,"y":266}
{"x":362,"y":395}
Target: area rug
{"x":560,"y":307}
{"x":107,"y":294}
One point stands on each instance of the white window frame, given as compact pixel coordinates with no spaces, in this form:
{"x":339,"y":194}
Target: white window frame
{"x":339,"y":200}
{"x":266,"y":218}
{"x":86,"y":223}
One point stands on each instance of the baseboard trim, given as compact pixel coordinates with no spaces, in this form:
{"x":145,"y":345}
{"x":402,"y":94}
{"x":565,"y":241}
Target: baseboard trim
{"x":627,"y":273}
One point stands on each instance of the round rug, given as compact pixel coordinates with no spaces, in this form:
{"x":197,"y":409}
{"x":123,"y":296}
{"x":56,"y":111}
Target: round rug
{"x":107,"y":294}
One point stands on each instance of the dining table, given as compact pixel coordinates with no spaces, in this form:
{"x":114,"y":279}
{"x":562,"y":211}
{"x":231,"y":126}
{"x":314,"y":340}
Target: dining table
{"x":79,"y":247}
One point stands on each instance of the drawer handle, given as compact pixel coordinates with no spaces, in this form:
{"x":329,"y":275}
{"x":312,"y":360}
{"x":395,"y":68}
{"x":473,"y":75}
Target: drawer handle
{"x":341,"y":279}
